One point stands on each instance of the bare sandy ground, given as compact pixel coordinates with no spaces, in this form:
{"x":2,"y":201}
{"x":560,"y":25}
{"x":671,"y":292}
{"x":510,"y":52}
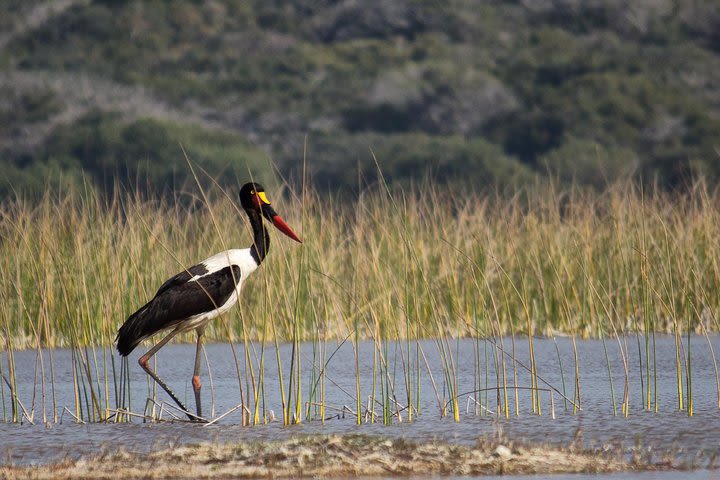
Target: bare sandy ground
{"x":323,"y":456}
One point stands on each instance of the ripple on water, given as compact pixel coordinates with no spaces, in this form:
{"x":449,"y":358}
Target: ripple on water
{"x":695,"y":439}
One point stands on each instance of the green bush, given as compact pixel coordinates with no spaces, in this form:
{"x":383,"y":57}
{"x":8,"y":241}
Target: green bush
{"x":588,"y":163}
{"x":343,"y":161}
{"x":149,"y":152}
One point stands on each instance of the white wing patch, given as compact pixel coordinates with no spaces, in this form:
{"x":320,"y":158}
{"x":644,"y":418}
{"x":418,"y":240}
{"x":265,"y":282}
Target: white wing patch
{"x":239,"y":257}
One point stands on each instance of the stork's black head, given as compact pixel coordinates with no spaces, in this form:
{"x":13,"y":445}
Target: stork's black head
{"x":253,"y":198}
{"x":248,"y":195}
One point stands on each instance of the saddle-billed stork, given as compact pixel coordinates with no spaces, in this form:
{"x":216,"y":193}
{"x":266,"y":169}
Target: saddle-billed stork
{"x":193,"y":297}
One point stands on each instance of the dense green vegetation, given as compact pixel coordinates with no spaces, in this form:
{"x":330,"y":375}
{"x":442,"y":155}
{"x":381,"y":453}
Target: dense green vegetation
{"x":492,"y":93}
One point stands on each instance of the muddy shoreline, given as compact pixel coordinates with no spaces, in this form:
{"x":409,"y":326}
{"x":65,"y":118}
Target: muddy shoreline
{"x":326,"y":456}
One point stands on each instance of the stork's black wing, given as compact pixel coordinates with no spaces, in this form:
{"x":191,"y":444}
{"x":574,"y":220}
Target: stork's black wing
{"x":176,"y":300}
{"x":183,"y":277}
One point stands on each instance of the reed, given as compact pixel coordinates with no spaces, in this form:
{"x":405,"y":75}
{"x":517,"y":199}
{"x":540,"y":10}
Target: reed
{"x":393,"y":266}
{"x":73,"y":267}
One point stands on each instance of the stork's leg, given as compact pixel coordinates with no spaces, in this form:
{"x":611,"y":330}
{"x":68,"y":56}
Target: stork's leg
{"x":197,"y":385}
{"x":144,"y":362}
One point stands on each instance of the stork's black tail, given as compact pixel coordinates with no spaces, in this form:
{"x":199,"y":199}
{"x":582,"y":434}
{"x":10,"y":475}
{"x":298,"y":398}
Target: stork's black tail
{"x":132,"y":332}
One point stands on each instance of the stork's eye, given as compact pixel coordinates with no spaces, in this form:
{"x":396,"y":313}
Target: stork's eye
{"x":252,"y":192}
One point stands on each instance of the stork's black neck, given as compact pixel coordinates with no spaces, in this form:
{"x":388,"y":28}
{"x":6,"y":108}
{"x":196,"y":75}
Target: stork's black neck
{"x":261,"y":237}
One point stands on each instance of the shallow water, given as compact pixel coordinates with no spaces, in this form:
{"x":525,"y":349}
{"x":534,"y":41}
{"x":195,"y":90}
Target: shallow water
{"x":692,"y":441}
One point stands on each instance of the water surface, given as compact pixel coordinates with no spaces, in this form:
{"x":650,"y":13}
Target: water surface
{"x":691,"y":441}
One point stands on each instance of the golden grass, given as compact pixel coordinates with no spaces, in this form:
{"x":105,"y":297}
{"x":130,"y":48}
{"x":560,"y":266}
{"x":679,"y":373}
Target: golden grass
{"x":425,"y":263}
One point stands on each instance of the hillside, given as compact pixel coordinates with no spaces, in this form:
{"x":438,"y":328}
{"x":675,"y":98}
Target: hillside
{"x":487,"y":92}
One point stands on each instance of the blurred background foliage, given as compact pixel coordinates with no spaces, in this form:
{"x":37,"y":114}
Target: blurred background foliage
{"x":489,"y":93}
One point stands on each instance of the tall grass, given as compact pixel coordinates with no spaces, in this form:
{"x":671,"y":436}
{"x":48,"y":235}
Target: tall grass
{"x":437,"y":263}
{"x":391,"y":265}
